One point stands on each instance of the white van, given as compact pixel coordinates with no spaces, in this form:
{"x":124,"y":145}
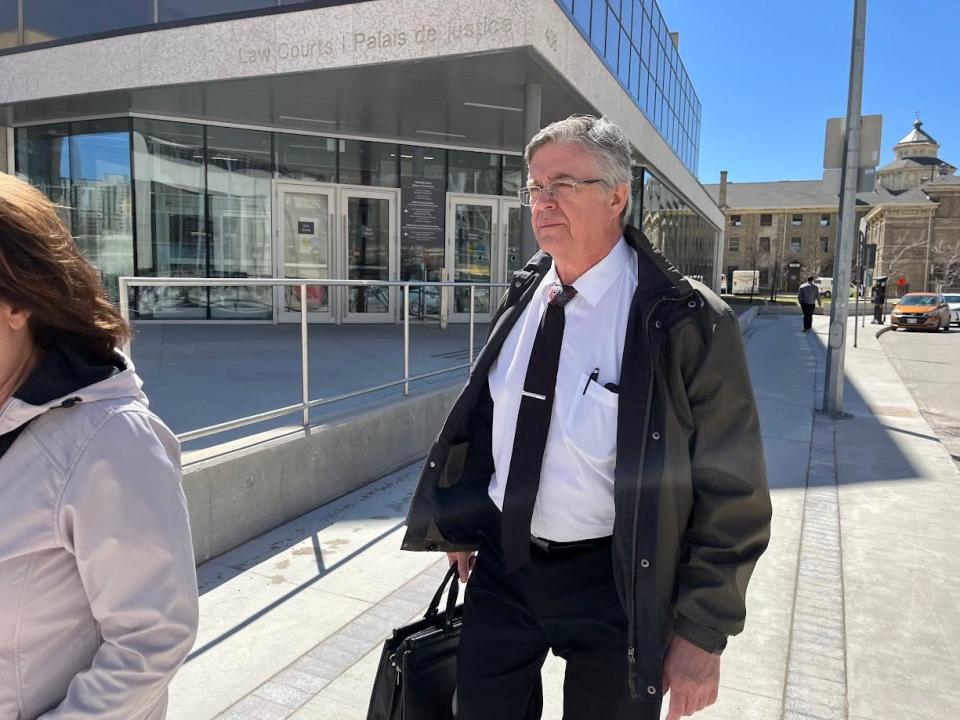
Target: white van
{"x":746,"y":282}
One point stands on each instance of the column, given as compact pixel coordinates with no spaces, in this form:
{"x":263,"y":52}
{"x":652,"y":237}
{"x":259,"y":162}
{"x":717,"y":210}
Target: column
{"x":531,"y":126}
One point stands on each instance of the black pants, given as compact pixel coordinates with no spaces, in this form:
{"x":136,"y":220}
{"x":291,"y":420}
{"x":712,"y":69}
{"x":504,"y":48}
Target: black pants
{"x":565,"y":601}
{"x":807,"y":315}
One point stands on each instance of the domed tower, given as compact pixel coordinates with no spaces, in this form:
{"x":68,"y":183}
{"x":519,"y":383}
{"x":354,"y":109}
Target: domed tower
{"x":916,"y":162}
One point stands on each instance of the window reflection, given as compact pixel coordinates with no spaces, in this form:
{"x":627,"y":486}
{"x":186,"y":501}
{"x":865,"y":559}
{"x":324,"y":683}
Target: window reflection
{"x":171,"y":226}
{"x":633,"y":41}
{"x":686,"y":239}
{"x":184,"y":9}
{"x":84,"y":168}
{"x":472,"y":172}
{"x":45,"y":20}
{"x":303,"y":157}
{"x":239,"y":172}
{"x":368,"y":163}
{"x":8,"y":24}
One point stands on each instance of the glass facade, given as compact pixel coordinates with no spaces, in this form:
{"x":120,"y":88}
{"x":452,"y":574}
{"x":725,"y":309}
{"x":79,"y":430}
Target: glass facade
{"x":9,"y":24}
{"x":632,"y":39}
{"x":170,"y":187}
{"x":302,"y":157}
{"x":239,"y":173}
{"x":368,"y":163}
{"x":472,"y":172}
{"x":185,"y":9}
{"x":46,"y":20}
{"x":53,"y":20}
{"x":158,"y":198}
{"x":84,"y":167}
{"x":685,"y":238}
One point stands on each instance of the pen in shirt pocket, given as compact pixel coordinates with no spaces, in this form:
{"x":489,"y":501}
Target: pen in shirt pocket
{"x":593,"y":378}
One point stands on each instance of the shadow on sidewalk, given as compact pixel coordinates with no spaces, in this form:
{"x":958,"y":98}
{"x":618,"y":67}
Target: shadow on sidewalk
{"x":313,"y":547}
{"x":787,"y":369}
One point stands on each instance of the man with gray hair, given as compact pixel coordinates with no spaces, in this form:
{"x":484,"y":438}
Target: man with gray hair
{"x":604,"y":457}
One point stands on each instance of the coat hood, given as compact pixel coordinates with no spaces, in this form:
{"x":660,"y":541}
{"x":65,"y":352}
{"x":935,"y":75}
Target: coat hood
{"x":62,"y":379}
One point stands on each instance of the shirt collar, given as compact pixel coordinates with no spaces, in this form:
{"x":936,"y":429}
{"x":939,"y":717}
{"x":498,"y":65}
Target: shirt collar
{"x":595,"y":282}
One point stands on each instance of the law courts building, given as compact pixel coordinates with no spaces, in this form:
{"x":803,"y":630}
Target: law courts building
{"x":376,"y":140}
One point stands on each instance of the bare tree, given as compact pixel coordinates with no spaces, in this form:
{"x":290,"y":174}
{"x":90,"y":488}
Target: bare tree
{"x":945,"y":260}
{"x":814,"y":260}
{"x":751,"y":256}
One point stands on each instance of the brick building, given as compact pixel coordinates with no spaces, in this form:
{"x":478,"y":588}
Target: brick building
{"x":787,"y":229}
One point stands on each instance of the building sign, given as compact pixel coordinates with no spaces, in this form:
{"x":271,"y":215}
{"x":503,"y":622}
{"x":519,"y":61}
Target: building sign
{"x":305,"y":227}
{"x":422,"y":219}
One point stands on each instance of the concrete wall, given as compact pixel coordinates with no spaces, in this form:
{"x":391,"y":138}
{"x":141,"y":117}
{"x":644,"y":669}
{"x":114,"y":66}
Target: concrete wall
{"x":236,"y":497}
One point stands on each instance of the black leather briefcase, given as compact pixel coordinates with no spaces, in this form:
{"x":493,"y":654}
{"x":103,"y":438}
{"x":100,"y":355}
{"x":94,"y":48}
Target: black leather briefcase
{"x":417,"y":676}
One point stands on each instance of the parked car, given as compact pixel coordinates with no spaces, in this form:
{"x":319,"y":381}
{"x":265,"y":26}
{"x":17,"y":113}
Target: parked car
{"x":953,"y":300}
{"x":927,"y":311}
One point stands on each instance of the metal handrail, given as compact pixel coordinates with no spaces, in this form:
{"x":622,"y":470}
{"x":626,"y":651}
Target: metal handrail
{"x":125,"y":283}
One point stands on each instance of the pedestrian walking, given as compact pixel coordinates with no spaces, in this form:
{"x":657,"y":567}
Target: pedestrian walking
{"x":98,"y":591}
{"x":809,"y":297}
{"x":605,"y":458}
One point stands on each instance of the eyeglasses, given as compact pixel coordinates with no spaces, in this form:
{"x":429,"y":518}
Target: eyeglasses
{"x":559,"y":190}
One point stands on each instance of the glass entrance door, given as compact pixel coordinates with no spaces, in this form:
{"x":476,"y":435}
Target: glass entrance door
{"x":305,"y":215}
{"x":483,"y":246}
{"x":369,"y":249}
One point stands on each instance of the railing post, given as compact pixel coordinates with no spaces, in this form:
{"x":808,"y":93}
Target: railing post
{"x":125,"y":314}
{"x":472,"y":295}
{"x":406,"y":339}
{"x":304,"y":357}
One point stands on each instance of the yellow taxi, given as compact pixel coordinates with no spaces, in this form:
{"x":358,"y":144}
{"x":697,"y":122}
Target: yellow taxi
{"x":926,"y":311}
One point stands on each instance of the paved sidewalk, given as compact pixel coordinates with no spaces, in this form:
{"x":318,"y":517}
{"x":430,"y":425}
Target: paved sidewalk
{"x":852,"y":612}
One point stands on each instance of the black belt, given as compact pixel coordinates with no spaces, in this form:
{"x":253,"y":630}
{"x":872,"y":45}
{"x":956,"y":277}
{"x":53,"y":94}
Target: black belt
{"x":555,"y":547}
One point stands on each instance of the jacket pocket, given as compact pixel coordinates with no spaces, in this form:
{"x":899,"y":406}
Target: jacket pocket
{"x":591,"y":425}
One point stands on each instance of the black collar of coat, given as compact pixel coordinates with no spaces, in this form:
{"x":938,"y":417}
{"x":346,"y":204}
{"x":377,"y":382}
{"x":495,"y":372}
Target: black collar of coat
{"x":657,"y":278}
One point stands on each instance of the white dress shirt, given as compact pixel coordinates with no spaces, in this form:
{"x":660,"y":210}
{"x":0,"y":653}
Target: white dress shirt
{"x":575,"y":498}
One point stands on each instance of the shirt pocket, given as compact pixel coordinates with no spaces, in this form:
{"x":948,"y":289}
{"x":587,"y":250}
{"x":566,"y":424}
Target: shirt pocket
{"x":591,"y":424}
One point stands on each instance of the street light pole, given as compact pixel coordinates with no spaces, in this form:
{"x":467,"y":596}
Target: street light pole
{"x":839,"y":306}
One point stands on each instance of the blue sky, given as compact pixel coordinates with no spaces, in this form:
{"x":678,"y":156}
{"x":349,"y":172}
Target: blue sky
{"x":770,"y":72}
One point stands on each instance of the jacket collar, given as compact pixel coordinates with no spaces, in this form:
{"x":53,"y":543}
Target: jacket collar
{"x":63,"y":379}
{"x":656,"y":276}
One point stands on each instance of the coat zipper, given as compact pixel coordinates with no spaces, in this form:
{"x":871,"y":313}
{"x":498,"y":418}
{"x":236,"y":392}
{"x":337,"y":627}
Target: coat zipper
{"x":631,"y":619}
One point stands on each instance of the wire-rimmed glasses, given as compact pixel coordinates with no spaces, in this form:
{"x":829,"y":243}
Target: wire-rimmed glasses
{"x":559,"y":190}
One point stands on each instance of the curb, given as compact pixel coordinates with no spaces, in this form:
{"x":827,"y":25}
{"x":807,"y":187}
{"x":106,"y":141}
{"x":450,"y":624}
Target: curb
{"x":882,"y":330}
{"x":746,"y":318}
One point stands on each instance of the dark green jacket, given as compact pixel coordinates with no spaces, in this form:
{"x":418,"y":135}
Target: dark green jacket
{"x":692,"y":508}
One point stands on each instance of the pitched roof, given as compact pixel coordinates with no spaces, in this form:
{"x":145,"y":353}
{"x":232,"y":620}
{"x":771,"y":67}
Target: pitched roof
{"x":945,"y":180}
{"x":914,"y":162}
{"x":917,"y":135}
{"x":777,"y":194}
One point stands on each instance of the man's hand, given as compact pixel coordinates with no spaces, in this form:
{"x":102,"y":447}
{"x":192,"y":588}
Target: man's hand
{"x":464,"y":561}
{"x":692,"y":675}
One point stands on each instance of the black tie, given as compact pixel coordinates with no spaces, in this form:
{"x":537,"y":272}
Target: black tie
{"x":533,"y":424}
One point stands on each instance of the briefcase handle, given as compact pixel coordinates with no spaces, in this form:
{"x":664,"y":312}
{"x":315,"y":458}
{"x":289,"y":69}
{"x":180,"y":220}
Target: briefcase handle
{"x":452,"y":596}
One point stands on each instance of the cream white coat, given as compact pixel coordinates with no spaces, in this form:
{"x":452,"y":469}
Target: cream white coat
{"x":98,"y":591}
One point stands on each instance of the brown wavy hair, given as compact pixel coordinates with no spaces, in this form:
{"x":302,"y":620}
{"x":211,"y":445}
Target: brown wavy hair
{"x":42,"y":270}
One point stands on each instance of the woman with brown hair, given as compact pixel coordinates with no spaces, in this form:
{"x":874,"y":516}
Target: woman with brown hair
{"x":98,"y":591}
